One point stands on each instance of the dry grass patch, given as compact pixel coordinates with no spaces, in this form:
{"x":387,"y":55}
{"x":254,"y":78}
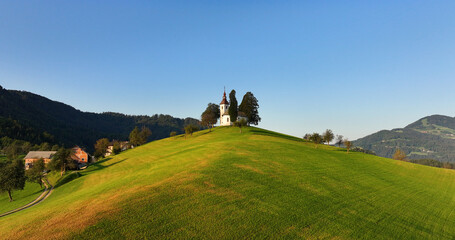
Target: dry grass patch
{"x":74,"y":219}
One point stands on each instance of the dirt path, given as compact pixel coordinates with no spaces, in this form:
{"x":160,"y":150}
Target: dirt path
{"x":43,"y":196}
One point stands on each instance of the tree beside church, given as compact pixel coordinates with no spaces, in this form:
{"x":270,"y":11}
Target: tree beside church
{"x":225,"y":111}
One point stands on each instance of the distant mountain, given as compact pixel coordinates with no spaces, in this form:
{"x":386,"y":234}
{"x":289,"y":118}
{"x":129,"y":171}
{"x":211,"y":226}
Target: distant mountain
{"x":31,"y":117}
{"x":430,"y":137}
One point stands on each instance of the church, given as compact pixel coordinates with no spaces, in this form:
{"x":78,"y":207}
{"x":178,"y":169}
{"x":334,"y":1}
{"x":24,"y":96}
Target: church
{"x":224,"y":113}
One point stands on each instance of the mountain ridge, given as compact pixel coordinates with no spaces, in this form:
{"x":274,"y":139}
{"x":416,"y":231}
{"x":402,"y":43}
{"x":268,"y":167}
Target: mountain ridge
{"x":66,"y":125}
{"x":429,"y":137}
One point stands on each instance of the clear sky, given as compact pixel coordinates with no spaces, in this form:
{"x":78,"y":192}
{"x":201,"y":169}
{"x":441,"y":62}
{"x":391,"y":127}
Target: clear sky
{"x":355,"y":67}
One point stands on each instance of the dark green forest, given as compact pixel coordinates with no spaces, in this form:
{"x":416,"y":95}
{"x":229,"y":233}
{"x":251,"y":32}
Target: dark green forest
{"x":35,"y":119}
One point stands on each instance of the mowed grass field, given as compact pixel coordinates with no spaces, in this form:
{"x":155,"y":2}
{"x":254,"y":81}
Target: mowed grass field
{"x":258,"y":184}
{"x":22,"y":197}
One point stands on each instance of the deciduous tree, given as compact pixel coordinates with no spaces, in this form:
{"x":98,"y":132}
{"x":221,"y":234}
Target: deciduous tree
{"x":144,"y":135}
{"x":249,"y":107}
{"x":189,"y":129}
{"x":339,"y":140}
{"x":399,"y":155}
{"x":13,"y":150}
{"x":210,"y":116}
{"x":328,"y":136}
{"x":36,"y":173}
{"x":347,"y":144}
{"x":134,"y":136}
{"x":307,"y":136}
{"x":12,"y":177}
{"x":116,"y":148}
{"x":316,"y":138}
{"x":62,"y":161}
{"x":101,"y":147}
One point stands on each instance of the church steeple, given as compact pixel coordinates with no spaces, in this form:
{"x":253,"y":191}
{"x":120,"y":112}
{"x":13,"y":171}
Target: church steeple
{"x":224,"y":101}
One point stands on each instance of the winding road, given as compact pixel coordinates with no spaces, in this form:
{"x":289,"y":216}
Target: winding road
{"x":47,"y":191}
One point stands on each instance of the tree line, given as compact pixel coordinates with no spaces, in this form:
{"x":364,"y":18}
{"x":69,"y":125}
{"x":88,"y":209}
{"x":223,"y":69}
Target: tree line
{"x":327,"y":137}
{"x":13,"y":148}
{"x":136,"y":138}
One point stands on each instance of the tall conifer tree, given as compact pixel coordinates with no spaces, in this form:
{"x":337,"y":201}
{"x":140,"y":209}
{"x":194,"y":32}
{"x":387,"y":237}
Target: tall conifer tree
{"x":233,"y":107}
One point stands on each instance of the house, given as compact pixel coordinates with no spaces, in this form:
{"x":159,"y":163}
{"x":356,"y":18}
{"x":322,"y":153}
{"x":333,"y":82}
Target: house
{"x":224,"y":113}
{"x":125,"y":145}
{"x":79,"y":155}
{"x":110,"y":149}
{"x":33,"y":156}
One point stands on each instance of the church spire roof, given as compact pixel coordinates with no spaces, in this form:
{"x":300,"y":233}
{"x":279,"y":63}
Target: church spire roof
{"x":224,"y":101}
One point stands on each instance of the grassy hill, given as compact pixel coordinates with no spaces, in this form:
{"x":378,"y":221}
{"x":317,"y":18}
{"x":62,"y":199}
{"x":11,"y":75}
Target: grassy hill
{"x":31,"y":192}
{"x":430,"y":137}
{"x":259,"y":184}
{"x":22,"y":197}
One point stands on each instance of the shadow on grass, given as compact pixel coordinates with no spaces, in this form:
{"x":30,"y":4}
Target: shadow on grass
{"x":36,"y":192}
{"x":202,"y":133}
{"x":68,"y":178}
{"x":259,"y":131}
{"x":92,"y":168}
{"x":97,"y":166}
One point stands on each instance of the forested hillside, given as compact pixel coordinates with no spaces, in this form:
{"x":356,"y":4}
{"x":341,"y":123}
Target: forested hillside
{"x":36,"y":119}
{"x":431,"y":137}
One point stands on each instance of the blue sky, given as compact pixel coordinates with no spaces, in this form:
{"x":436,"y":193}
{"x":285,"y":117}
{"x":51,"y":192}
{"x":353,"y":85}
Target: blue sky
{"x":355,"y":67}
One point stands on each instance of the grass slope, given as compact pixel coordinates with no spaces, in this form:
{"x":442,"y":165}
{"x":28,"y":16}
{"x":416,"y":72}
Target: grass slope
{"x":258,"y":184}
{"x":20,"y":198}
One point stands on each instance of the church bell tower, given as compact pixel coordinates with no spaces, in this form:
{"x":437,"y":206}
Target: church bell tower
{"x":224,"y":106}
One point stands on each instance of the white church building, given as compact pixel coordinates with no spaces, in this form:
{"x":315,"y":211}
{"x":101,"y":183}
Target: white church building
{"x":225,"y":119}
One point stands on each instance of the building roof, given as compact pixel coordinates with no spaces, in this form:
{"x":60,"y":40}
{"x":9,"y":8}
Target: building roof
{"x":40,"y":154}
{"x":242,"y":114}
{"x":224,"y":101}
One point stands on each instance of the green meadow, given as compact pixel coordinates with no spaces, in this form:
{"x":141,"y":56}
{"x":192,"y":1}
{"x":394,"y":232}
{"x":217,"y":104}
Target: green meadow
{"x":258,"y":184}
{"x":31,"y":192}
{"x":22,"y":197}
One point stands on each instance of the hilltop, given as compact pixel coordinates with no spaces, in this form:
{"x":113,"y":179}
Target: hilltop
{"x":431,"y":137}
{"x":36,"y":119}
{"x":258,"y":184}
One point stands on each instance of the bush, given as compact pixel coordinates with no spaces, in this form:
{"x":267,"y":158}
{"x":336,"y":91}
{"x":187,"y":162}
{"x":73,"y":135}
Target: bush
{"x":359,"y":149}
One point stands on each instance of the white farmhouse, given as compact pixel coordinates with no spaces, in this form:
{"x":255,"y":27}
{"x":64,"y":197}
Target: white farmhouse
{"x":225,"y":119}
